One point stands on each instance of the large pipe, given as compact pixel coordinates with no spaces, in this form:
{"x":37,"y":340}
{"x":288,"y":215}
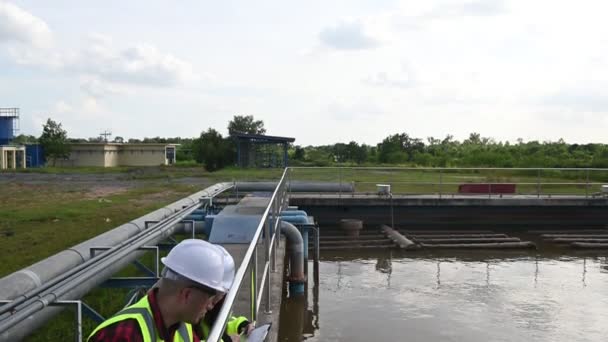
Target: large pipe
{"x":27,"y":279}
{"x":36,"y":311}
{"x":296,"y":186}
{"x":295,"y":248}
{"x":37,"y":277}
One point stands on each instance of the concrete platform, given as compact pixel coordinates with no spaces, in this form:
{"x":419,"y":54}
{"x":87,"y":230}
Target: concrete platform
{"x":456,"y":212}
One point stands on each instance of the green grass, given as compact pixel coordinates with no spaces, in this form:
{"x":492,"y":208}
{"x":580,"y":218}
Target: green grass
{"x":37,"y":221}
{"x":72,"y":170}
{"x":405,"y":181}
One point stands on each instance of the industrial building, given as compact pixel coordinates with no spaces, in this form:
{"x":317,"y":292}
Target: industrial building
{"x":107,"y":154}
{"x":11,"y":156}
{"x":256,"y":150}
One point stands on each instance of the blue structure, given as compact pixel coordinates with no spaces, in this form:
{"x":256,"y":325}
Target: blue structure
{"x":34,"y":155}
{"x":250,"y":156}
{"x":9,"y":118}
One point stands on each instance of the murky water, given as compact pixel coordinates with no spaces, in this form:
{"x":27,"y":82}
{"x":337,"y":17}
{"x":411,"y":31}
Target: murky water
{"x":466,"y":297}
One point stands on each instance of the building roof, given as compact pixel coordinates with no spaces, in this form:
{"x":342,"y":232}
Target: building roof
{"x":121,"y":144}
{"x":262,"y":138}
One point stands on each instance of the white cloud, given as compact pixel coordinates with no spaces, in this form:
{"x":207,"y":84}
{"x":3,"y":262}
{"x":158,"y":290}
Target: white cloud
{"x":62,"y":107}
{"x":20,"y":26}
{"x":580,"y":99}
{"x":97,"y":88}
{"x":141,"y":64}
{"x":348,"y":35}
{"x":399,"y":78}
{"x":471,"y":8}
{"x":342,"y":109}
{"x":102,"y":61}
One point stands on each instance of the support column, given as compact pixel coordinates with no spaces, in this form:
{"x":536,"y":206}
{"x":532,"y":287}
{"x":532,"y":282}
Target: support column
{"x":14,"y":159}
{"x":238,"y":153}
{"x":23,"y":162}
{"x":285,"y":155}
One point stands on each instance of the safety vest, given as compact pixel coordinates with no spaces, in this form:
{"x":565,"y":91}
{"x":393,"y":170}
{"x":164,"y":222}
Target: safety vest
{"x":232,"y":327}
{"x":142,"y":312}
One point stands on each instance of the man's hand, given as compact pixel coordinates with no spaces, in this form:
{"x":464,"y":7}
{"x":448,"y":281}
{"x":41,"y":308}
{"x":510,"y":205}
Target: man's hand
{"x":250,"y":328}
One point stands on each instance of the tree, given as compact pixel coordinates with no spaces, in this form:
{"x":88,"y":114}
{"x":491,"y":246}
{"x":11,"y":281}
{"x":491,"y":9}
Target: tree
{"x":212,"y":150}
{"x":23,"y":139}
{"x":54,"y":141}
{"x":119,"y":139}
{"x":299,"y":153}
{"x":245,"y":124}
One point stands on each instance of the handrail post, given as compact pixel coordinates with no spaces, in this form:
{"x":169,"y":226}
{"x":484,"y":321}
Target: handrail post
{"x":440,"y":182}
{"x":587,"y":184}
{"x":267,"y":257}
{"x":340,"y":182}
{"x":254,"y":285}
{"x":538,"y":183}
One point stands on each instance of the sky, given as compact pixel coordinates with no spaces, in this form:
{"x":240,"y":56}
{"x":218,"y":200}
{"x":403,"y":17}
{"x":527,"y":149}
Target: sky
{"x":320,"y":71}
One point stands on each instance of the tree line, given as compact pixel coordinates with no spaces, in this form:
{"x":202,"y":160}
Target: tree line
{"x":475,"y":151}
{"x":215,"y":151}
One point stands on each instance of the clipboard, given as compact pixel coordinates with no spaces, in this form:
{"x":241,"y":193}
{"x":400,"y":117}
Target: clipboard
{"x":260,"y":333}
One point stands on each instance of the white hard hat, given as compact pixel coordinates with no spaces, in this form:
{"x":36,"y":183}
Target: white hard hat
{"x":198,"y":261}
{"x":228,"y":268}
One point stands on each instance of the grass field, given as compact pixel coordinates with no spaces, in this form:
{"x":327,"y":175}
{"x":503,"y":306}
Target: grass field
{"x":43,"y":211}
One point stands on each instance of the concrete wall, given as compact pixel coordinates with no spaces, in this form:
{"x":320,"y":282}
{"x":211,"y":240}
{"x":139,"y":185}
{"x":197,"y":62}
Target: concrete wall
{"x":111,"y":155}
{"x":85,"y":155}
{"x":545,"y":213}
{"x":142,"y":155}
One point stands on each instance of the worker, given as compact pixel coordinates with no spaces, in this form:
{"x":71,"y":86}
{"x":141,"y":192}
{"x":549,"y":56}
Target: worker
{"x":236,"y":326}
{"x":191,"y":279}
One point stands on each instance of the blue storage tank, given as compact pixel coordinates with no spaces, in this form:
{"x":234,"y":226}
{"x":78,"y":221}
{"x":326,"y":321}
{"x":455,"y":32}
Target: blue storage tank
{"x":8,"y":122}
{"x":34,"y":155}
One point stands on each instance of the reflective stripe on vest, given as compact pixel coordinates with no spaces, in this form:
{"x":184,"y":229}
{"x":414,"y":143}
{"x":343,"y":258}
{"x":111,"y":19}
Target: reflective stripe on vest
{"x":142,"y":313}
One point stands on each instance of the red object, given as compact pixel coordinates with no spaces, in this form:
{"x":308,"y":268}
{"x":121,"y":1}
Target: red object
{"x":472,"y":188}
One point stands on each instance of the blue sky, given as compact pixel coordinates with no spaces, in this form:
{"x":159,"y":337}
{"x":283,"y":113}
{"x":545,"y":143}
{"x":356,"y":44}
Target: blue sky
{"x":320,"y":71}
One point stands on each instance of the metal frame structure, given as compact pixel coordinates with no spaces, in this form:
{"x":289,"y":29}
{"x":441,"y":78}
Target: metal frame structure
{"x":249,"y":140}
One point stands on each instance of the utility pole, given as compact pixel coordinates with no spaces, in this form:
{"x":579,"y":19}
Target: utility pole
{"x":105,"y":134}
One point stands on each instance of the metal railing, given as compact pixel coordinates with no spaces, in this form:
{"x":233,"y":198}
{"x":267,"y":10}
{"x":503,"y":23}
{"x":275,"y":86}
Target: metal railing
{"x":443,"y":181}
{"x":270,"y":225}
